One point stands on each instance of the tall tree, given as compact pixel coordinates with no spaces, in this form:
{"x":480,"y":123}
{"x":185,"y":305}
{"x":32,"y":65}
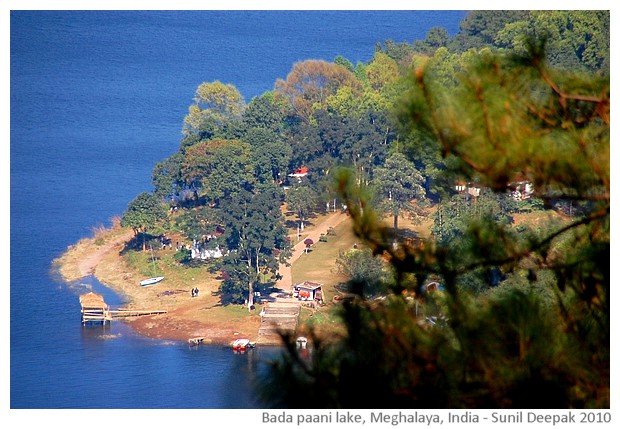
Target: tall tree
{"x":144,"y":212}
{"x":197,"y":222}
{"x":310,"y":82}
{"x":402,"y":53}
{"x":166,"y":176}
{"x":437,"y":37}
{"x":218,"y":167}
{"x":367,"y":273}
{"x":357,"y":141}
{"x":303,"y":201}
{"x":271,"y":161}
{"x":342,"y":61}
{"x":255,"y":237}
{"x":382,"y":71}
{"x":214,"y":101}
{"x":267,"y":111}
{"x":398,"y":183}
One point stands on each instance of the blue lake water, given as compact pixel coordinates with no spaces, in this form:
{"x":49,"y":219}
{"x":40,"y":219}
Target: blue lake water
{"x":97,"y":98}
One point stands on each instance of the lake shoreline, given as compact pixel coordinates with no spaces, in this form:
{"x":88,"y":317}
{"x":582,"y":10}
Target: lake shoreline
{"x":186,"y":317}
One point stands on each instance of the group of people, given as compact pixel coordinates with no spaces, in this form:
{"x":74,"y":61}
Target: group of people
{"x":194,"y":292}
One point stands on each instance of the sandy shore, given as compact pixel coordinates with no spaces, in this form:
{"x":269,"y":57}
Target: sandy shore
{"x":187,"y":317}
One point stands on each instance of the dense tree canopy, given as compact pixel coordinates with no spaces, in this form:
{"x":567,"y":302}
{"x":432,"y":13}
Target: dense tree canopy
{"x":479,"y":28}
{"x":166,"y":176}
{"x":345,"y":101}
{"x":143,"y":213}
{"x":218,"y":166}
{"x":539,"y":340}
{"x":576,"y":39}
{"x":271,"y":157}
{"x":215,"y":101}
{"x":368,"y":274}
{"x":311,"y":82}
{"x":268,"y":111}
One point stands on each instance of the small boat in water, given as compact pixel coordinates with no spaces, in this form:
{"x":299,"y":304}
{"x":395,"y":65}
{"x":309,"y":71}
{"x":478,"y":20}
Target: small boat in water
{"x":151,"y":281}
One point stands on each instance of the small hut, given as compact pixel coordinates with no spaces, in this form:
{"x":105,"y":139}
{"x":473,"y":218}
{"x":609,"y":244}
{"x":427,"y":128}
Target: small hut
{"x":94,"y":308}
{"x":308,"y":291}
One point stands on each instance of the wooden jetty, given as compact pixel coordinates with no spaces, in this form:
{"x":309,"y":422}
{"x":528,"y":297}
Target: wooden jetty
{"x":95,"y":310}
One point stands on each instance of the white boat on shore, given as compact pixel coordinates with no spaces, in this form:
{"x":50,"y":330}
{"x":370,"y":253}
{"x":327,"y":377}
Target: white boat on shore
{"x":151,"y":281}
{"x":241,"y":344}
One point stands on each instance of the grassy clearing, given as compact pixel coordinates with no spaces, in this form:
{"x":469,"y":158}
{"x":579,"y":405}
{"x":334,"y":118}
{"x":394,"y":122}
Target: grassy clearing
{"x":177,"y":276}
{"x":140,"y":263}
{"x":235,"y":315}
{"x":421,"y":228}
{"x":323,"y":321}
{"x":310,"y":224}
{"x":538,"y":218}
{"x":319,"y":265}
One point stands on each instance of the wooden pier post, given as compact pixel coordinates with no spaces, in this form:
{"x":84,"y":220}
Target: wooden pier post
{"x":94,"y":309}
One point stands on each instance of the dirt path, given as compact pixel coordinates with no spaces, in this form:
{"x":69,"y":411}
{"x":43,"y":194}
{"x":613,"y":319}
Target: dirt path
{"x":88,"y":265}
{"x":286,"y":282}
{"x":282,"y":313}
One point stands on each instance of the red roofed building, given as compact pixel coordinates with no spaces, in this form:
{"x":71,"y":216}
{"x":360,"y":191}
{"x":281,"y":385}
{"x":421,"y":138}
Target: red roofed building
{"x":299,"y":173}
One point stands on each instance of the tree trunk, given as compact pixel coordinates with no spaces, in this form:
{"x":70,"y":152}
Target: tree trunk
{"x":257,"y":270}
{"x":394,"y":242}
{"x":250,"y":285}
